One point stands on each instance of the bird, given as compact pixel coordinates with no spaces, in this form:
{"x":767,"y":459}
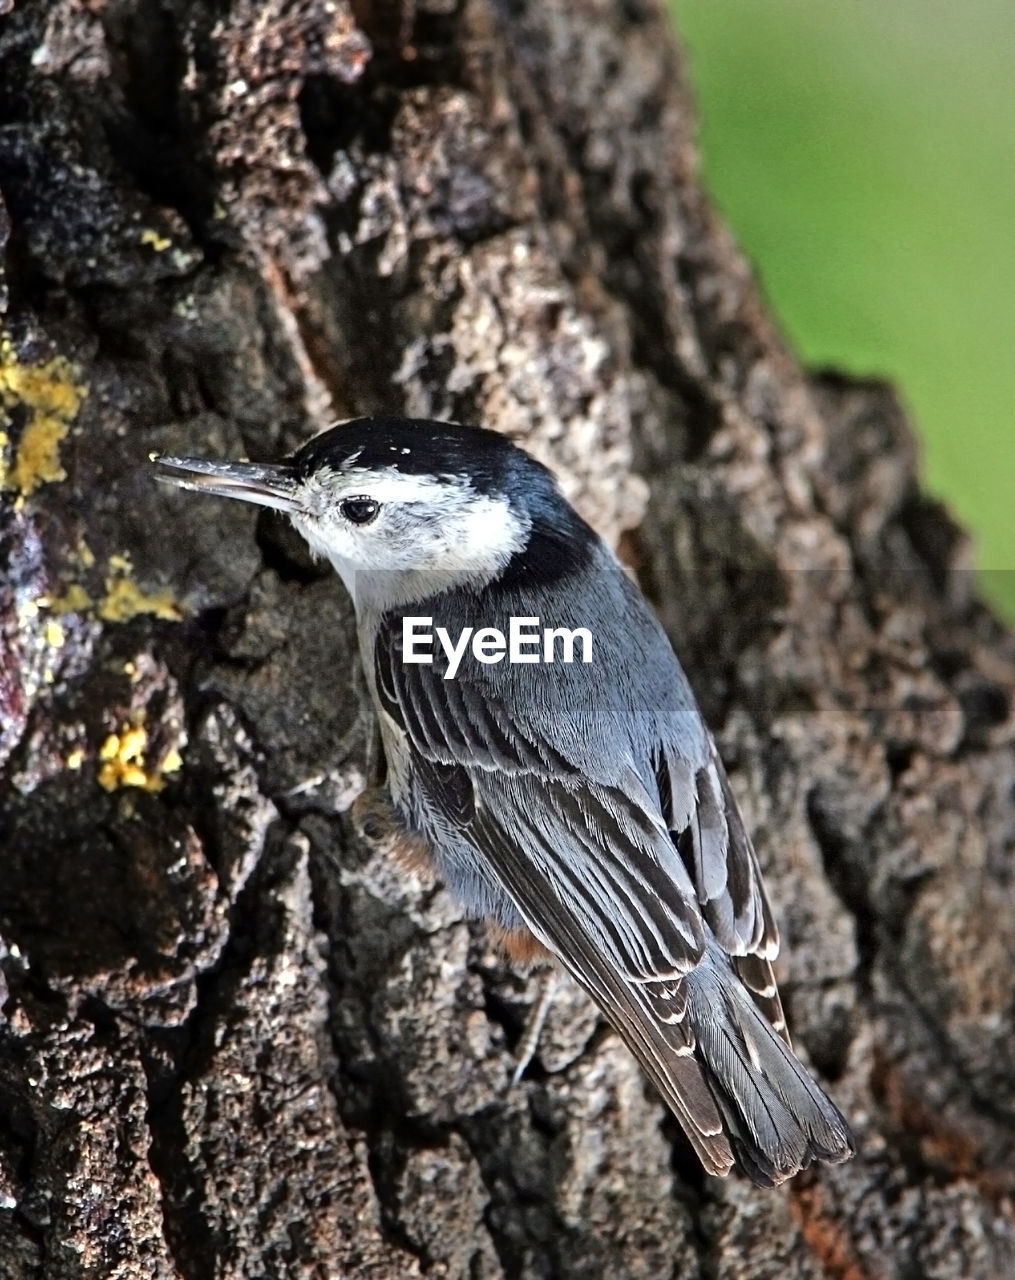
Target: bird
{"x":580,"y":807}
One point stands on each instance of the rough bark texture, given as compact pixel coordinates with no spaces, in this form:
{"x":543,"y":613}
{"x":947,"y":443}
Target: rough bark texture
{"x":238,"y":1043}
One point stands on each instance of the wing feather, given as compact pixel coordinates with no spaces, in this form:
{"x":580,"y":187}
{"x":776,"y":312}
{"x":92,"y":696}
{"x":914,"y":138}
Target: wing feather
{"x":703,"y":816}
{"x":718,"y":853}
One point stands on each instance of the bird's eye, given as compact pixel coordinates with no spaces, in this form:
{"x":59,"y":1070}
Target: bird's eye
{"x":359,"y":510}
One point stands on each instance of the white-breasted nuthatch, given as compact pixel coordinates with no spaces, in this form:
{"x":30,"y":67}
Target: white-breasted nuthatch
{"x":580,"y":806}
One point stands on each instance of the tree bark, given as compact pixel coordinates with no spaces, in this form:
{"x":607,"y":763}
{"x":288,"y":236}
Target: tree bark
{"x":236,"y":1042}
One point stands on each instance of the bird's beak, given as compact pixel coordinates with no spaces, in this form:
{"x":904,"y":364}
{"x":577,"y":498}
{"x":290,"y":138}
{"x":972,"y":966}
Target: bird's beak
{"x":265,"y":484}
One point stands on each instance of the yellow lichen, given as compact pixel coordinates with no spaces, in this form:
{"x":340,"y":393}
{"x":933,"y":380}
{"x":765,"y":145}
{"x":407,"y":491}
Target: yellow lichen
{"x":157,"y":242}
{"x":74,"y":600}
{"x":123,"y":762}
{"x":55,"y":637}
{"x":75,"y":759}
{"x":50,"y":393}
{"x":125,"y":599}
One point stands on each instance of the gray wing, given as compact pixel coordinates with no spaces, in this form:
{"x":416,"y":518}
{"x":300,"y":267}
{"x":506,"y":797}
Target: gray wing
{"x":592,"y":869}
{"x":704,"y":820}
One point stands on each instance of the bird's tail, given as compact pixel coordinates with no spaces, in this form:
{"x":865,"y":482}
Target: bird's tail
{"x":778,"y":1119}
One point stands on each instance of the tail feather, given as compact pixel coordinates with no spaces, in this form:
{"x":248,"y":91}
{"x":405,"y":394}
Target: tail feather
{"x":756,"y":973}
{"x":778,"y":1119}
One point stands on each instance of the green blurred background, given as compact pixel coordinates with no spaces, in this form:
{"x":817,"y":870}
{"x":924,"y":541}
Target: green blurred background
{"x":864,"y":153}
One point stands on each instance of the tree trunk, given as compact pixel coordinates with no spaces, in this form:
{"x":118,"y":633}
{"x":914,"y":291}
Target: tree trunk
{"x":236,"y":1041}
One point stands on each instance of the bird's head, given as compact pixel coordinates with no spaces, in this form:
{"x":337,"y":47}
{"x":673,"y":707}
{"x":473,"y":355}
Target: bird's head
{"x":381,"y":496}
